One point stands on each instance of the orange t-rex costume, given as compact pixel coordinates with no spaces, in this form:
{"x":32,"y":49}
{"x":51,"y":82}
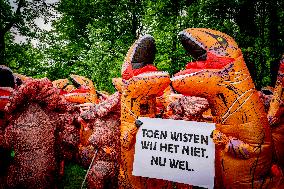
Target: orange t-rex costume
{"x":244,"y":156}
{"x":141,"y":82}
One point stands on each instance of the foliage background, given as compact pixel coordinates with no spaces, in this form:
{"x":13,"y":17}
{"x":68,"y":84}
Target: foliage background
{"x":91,"y":37}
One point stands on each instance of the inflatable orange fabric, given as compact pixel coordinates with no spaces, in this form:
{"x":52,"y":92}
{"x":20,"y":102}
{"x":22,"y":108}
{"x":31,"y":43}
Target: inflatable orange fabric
{"x":117,"y":83}
{"x":85,"y":92}
{"x":60,"y":83}
{"x":141,"y":82}
{"x":244,"y":154}
{"x":69,"y":88}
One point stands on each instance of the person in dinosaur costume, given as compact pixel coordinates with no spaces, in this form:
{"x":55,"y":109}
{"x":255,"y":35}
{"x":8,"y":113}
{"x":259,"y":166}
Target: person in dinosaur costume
{"x":141,"y":82}
{"x":242,"y":136}
{"x":39,"y":123}
{"x":103,"y":144}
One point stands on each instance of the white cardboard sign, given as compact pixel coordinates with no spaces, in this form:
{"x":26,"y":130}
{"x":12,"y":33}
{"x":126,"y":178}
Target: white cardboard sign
{"x":175,"y":150}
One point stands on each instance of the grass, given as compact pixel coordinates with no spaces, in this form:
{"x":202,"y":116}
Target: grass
{"x":73,"y":177}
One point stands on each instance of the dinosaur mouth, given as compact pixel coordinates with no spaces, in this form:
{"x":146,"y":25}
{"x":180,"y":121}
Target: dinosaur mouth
{"x":204,"y":59}
{"x":80,"y":88}
{"x":140,"y":58}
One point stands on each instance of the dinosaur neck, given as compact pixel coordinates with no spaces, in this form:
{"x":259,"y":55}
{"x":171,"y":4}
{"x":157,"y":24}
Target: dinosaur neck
{"x":237,"y":100}
{"x":131,"y":108}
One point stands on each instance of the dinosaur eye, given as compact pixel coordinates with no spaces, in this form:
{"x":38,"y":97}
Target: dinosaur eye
{"x":219,"y":38}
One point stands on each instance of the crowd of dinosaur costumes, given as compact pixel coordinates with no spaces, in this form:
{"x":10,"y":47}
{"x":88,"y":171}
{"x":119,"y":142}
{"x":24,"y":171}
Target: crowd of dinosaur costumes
{"x":46,"y":123}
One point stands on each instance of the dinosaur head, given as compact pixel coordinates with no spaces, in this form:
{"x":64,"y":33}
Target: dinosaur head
{"x":85,"y":92}
{"x":140,"y":77}
{"x":214,"y":52}
{"x":83,"y":83}
{"x":218,"y":74}
{"x":203,"y":43}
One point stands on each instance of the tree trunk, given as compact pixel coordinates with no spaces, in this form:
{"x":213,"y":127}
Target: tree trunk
{"x":5,"y":29}
{"x":2,"y":49}
{"x":245,"y":19}
{"x":274,"y":38}
{"x":175,"y":12}
{"x":135,"y":18}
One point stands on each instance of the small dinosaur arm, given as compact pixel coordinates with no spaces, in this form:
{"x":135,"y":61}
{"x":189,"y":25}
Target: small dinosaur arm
{"x":141,"y":82}
{"x":244,"y":158}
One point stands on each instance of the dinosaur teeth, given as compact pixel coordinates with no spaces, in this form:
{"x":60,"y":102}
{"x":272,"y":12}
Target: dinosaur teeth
{"x":185,"y":75}
{"x":192,"y":38}
{"x":149,"y":74}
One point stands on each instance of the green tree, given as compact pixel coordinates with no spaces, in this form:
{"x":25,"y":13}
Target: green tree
{"x":18,"y":17}
{"x":258,"y":30}
{"x":91,"y":38}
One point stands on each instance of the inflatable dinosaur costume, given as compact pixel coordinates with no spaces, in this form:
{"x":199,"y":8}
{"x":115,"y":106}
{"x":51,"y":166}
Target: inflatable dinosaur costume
{"x":244,"y":148}
{"x":41,"y":127}
{"x":141,"y":82}
{"x":103,"y":120}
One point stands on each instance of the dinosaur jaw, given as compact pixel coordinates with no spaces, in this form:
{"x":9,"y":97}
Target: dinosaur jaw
{"x":201,"y":77}
{"x":147,"y":83}
{"x":201,"y":74}
{"x":212,"y":63}
{"x":208,"y":52}
{"x":194,"y":47}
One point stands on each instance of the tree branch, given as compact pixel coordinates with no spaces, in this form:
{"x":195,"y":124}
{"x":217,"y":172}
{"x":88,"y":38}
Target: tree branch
{"x":16,"y":15}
